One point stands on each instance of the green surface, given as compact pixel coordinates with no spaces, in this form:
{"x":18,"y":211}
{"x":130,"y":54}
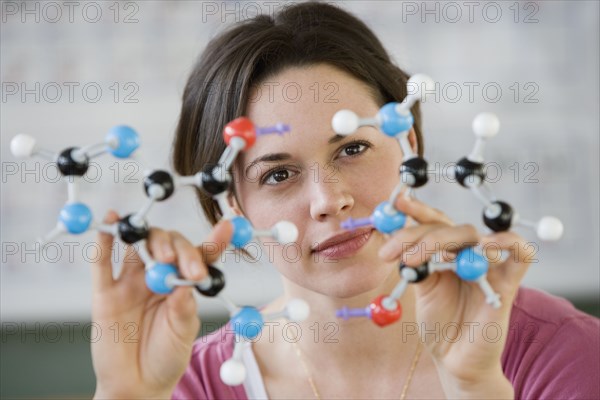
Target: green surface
{"x":49,"y":360}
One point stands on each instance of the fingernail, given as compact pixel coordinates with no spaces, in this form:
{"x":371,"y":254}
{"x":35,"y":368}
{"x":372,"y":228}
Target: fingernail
{"x":196,"y":270}
{"x":386,"y":252}
{"x":167,"y":251}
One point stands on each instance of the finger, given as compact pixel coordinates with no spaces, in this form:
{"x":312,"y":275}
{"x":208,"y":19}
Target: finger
{"x":446,"y":241}
{"x":421,"y":212}
{"x":102,"y":277}
{"x":403,"y":239}
{"x":132,"y":264}
{"x":189,"y":259}
{"x":217,"y":241}
{"x":521,"y":255}
{"x":160,"y":245}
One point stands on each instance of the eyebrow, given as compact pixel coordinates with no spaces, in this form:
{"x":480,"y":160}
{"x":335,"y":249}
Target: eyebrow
{"x":267,"y":158}
{"x":335,"y":139}
{"x":270,"y":157}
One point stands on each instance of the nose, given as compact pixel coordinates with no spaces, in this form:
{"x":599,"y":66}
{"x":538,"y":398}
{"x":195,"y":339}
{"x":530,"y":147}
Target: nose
{"x":329,"y":198}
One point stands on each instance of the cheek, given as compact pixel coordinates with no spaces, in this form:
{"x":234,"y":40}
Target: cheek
{"x":372,"y":182}
{"x":265,"y":210}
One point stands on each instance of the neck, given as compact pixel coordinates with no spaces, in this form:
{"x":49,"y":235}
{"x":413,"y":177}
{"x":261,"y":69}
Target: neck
{"x":327,"y":340}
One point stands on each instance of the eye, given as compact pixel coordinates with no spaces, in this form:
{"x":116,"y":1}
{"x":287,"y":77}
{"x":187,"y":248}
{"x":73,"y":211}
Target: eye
{"x":276,"y":176}
{"x":354,"y":149}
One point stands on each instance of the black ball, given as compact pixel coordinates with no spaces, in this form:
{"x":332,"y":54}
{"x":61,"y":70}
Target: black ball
{"x":417,"y":167}
{"x":465,"y":168}
{"x":162,"y":178}
{"x":422,"y":271}
{"x":68,"y":166}
{"x":130,"y":233}
{"x":502,"y":222}
{"x":216,"y":285}
{"x":210,"y":183}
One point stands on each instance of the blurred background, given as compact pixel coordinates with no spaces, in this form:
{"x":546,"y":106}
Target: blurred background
{"x":72,"y":70}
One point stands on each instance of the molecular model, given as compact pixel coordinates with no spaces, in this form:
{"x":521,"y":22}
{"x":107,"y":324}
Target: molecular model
{"x":395,"y":120}
{"x":76,"y":218}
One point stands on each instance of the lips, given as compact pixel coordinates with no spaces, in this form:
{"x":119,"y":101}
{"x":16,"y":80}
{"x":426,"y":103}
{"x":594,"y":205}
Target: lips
{"x":343,"y":245}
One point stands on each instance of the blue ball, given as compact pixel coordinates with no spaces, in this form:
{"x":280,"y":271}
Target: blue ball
{"x":127,"y":138}
{"x":242,"y":231}
{"x":76,"y":217}
{"x":470,"y":265}
{"x":387,"y":223}
{"x":393,"y":123}
{"x":248,"y":323}
{"x":156,"y":278}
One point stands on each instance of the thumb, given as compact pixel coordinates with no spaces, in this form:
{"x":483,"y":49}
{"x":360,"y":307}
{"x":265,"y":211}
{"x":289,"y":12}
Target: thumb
{"x":521,"y":255}
{"x":217,"y":241}
{"x":181,"y":304}
{"x":182,"y":312}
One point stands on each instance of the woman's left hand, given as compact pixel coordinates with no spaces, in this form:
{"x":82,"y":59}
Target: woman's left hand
{"x":469,"y":366}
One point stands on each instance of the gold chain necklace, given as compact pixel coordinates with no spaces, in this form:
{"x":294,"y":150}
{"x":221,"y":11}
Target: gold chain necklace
{"x":313,"y":386}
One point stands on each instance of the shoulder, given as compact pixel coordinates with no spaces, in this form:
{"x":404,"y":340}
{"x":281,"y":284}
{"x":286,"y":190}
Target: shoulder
{"x":552,"y":349}
{"x":201,"y":379}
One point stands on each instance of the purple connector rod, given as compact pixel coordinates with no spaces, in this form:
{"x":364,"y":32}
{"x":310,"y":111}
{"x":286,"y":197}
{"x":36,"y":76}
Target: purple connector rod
{"x":351,"y":224}
{"x":347,"y":313}
{"x":279,"y":129}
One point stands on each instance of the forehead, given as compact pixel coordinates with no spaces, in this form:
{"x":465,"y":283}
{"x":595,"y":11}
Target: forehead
{"x":306,"y":98}
{"x":298,"y":89}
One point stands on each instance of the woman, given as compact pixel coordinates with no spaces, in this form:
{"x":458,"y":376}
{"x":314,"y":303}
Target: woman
{"x":317,"y":180}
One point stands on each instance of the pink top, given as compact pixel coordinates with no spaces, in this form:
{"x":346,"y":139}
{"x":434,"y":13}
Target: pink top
{"x":552,"y":351}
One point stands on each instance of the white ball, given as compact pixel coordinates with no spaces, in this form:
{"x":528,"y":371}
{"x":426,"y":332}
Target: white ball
{"x":420,"y":82}
{"x":285,"y":232}
{"x":297,"y":310}
{"x":550,"y":228}
{"x":22,"y":146}
{"x":156,"y":191}
{"x":232,"y":372}
{"x":410,"y":274}
{"x":345,"y":122}
{"x":486,"y":125}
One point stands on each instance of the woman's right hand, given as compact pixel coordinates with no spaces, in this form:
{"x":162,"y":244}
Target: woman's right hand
{"x":144,"y":340}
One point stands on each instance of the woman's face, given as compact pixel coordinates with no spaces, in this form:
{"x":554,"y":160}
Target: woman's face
{"x":317,"y":180}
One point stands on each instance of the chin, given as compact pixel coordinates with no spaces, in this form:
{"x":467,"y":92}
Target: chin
{"x":357,"y":288}
{"x":357,"y":281}
{"x":360,"y":277}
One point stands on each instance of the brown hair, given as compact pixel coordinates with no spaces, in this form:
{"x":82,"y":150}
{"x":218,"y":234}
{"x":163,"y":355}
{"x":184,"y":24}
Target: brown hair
{"x":253,"y":50}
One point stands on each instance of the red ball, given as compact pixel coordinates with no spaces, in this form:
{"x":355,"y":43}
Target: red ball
{"x":382,"y":316}
{"x":240,"y":127}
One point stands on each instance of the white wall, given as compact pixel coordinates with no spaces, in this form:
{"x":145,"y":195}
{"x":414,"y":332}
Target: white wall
{"x":553,"y":59}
